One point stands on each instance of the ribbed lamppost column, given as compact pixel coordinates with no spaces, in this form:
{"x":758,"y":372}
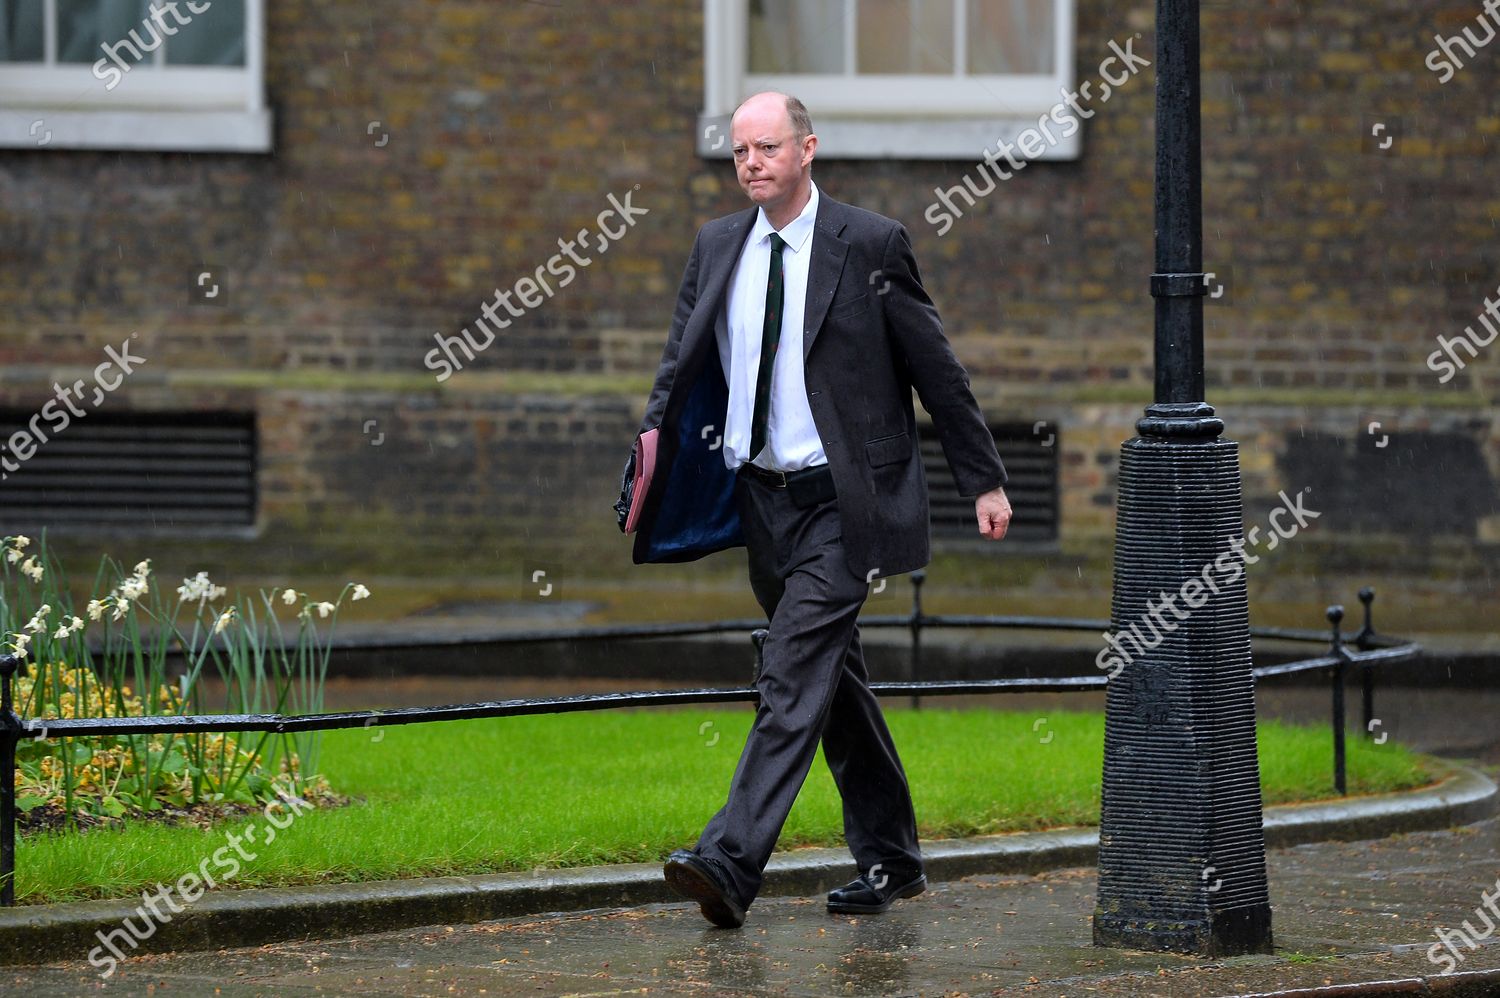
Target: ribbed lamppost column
{"x":1181,"y":850}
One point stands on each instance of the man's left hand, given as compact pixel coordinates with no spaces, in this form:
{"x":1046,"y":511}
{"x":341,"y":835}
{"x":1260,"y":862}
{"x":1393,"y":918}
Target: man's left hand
{"x":992,"y":510}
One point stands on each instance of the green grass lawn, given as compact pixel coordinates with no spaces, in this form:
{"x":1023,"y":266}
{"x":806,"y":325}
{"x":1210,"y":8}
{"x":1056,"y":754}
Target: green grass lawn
{"x":626,"y":786}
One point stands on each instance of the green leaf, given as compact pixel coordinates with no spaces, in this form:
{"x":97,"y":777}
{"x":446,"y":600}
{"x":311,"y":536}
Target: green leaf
{"x":112,"y":807}
{"x":24,"y":804}
{"x":82,"y":753}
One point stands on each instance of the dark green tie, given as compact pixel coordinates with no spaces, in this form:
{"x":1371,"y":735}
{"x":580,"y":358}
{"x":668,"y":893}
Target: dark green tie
{"x":770,"y":339}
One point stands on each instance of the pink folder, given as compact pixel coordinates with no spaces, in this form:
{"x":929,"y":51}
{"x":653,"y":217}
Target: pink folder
{"x":645,"y":463}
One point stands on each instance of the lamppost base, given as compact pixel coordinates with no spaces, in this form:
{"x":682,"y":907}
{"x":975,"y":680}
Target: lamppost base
{"x":1181,"y":846}
{"x":1231,"y":932}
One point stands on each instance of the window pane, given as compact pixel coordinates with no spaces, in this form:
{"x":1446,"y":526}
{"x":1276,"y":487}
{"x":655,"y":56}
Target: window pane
{"x":796,"y":36}
{"x":215,"y":37}
{"x":1011,"y":36}
{"x":21,"y":31}
{"x":905,"y":36}
{"x":124,"y":26}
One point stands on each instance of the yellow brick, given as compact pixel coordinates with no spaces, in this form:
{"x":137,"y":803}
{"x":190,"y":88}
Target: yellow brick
{"x":1345,"y":62}
{"x":462,"y":18}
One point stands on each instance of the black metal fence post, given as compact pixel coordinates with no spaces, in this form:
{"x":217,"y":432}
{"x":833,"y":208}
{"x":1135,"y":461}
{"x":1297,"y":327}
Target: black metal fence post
{"x":1335,"y":615}
{"x":914,"y":667}
{"x":1364,"y":641}
{"x":10,"y":735}
{"x":758,"y":638}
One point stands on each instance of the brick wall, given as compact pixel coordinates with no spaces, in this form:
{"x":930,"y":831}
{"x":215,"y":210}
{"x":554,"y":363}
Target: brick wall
{"x":509,"y":125}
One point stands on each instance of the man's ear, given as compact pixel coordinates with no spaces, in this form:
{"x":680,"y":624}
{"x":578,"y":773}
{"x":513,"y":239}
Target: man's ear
{"x":809,"y":147}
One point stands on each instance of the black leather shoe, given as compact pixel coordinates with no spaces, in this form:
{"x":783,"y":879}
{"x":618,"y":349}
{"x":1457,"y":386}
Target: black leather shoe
{"x":863,"y":897}
{"x":694,"y":878}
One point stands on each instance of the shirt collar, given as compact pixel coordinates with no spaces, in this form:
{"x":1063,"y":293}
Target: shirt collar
{"x":795,"y":232}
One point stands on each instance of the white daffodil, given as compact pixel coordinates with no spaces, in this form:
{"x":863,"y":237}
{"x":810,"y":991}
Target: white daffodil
{"x":225,"y":619}
{"x":13,"y":555}
{"x":38,"y":622}
{"x":193,"y":590}
{"x":132,"y":588}
{"x":97,"y":608}
{"x":289,"y":597}
{"x":68,"y":629}
{"x":22,"y":541}
{"x":200,"y":589}
{"x":360,"y":592}
{"x":325,"y":608}
{"x":18,"y":644}
{"x":32,"y":569}
{"x":143,"y":568}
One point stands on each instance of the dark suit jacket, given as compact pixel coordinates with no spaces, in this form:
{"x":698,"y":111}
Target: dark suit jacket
{"x":871,"y":336}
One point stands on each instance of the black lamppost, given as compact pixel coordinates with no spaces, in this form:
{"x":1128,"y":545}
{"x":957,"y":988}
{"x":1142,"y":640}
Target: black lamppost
{"x":1181,"y":850}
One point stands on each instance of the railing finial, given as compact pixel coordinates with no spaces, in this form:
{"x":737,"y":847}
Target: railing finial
{"x":1367,"y":597}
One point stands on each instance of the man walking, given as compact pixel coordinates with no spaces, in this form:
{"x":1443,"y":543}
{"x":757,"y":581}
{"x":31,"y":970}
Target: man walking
{"x":784,"y":423}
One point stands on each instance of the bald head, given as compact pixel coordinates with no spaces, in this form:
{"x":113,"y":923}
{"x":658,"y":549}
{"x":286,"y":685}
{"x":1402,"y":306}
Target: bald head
{"x":774,"y":101}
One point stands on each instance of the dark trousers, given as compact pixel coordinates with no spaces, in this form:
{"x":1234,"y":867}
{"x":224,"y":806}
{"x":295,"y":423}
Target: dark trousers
{"x":812,"y":685}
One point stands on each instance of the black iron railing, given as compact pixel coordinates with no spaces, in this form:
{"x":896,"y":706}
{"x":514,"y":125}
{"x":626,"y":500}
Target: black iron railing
{"x":1371,"y":650}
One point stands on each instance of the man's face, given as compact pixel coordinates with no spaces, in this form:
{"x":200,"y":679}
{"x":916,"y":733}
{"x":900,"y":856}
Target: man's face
{"x":768,"y":161}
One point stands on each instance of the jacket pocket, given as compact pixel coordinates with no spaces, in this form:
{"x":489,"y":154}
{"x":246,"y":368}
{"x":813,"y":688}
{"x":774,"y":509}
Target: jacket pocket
{"x":850,"y":309}
{"x":888,"y":450}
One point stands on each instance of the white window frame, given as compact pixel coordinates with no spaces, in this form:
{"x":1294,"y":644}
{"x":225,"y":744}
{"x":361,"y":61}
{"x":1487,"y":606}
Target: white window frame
{"x":159,"y":106}
{"x":888,"y":116}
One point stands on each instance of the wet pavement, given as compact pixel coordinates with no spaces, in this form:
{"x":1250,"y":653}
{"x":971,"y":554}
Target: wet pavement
{"x":1342,"y":912}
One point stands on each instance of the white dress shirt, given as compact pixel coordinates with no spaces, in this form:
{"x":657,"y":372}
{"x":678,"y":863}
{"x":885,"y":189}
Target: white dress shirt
{"x":792,"y":440}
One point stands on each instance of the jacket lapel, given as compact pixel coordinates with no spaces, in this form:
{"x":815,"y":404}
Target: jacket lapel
{"x":828,"y":252}
{"x":709,"y":312}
